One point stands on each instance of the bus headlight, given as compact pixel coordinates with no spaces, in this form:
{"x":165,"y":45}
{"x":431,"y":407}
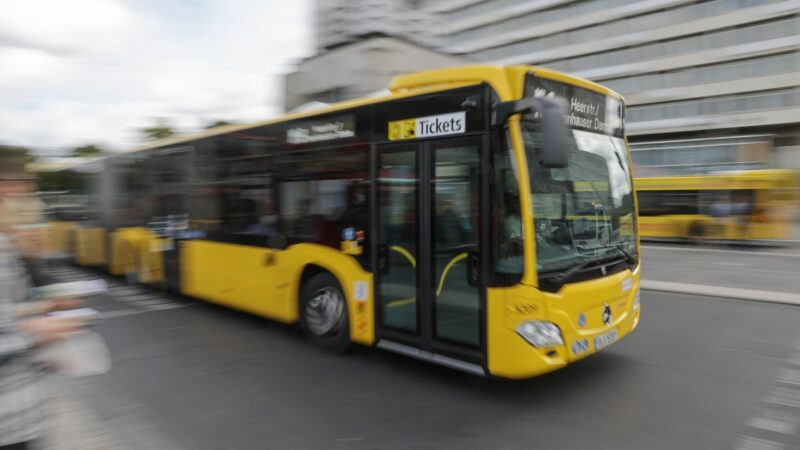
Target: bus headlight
{"x":540,"y":334}
{"x":637,"y":299}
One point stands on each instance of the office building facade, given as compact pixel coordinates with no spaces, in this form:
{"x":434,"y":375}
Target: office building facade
{"x":340,"y":22}
{"x":709,"y":84}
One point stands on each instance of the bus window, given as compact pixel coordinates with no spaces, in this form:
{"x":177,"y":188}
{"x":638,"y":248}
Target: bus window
{"x":507,"y":252}
{"x":322,"y":193}
{"x":662,"y":203}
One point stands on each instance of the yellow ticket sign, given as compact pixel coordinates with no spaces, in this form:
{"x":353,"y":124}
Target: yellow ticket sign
{"x":429,"y":126}
{"x":402,"y":129}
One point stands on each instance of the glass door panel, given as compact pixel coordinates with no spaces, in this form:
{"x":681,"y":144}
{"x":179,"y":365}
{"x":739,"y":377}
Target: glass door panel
{"x":455,"y":204}
{"x":398,"y":229}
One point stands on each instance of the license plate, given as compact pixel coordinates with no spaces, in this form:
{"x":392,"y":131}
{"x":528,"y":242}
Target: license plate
{"x":605,"y":339}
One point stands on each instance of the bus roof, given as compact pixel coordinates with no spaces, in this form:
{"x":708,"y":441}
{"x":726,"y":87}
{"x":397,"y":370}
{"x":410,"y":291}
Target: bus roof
{"x":507,"y":81}
{"x":744,"y":179}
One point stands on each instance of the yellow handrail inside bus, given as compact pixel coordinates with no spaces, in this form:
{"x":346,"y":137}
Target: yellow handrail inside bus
{"x":413,"y":262}
{"x":405,"y":253}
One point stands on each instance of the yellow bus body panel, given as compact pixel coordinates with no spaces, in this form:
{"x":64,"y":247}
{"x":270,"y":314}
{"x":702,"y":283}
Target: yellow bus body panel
{"x":151,"y":258}
{"x":90,"y":246}
{"x":240,"y":277}
{"x":510,"y":356}
{"x":775,"y":199}
{"x":62,"y":236}
{"x":125,"y":246}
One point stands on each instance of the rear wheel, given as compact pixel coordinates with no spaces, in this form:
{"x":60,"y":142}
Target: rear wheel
{"x":697,"y":233}
{"x":323,"y":312}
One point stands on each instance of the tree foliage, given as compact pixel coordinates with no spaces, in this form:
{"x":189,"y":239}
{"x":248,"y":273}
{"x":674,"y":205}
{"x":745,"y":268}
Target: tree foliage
{"x":160,"y":130}
{"x":88,"y":150}
{"x":22,"y":154}
{"x":218,"y":123}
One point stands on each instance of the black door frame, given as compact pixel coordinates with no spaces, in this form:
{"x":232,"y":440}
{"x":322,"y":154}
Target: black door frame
{"x":424,"y":339}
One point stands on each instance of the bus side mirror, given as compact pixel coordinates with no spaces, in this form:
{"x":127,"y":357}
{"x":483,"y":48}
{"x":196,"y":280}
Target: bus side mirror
{"x":554,"y":133}
{"x":551,"y":111}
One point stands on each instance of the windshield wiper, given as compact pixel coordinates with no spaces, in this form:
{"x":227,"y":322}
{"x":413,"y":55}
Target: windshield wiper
{"x":619,"y":246}
{"x":561,"y":278}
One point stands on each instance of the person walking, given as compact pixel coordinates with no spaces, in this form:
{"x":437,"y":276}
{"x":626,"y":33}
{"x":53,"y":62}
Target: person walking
{"x":23,"y":380}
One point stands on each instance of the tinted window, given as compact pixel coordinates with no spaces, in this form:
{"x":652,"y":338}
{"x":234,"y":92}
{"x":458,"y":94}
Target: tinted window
{"x":659,"y":203}
{"x":507,"y":237}
{"x":323,"y":193}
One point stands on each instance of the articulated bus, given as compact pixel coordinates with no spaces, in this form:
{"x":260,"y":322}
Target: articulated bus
{"x":752,"y":206}
{"x":482,"y":218}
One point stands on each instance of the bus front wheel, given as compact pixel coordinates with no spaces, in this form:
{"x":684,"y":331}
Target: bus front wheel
{"x":323,"y":312}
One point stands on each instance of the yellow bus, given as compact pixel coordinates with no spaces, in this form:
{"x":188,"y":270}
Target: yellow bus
{"x":482,"y":218}
{"x":735,"y":206}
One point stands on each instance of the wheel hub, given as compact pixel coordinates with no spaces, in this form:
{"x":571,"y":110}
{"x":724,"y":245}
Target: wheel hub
{"x":324,"y":311}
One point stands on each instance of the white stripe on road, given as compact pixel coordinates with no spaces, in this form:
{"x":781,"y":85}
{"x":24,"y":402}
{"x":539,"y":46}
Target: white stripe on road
{"x":133,"y":312}
{"x":721,"y":291}
{"x":775,"y":421}
{"x":751,"y":443}
{"x":784,"y":396}
{"x":789,"y":376}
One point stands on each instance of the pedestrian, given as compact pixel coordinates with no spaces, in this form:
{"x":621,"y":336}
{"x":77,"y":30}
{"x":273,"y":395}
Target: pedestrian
{"x":23,"y":391}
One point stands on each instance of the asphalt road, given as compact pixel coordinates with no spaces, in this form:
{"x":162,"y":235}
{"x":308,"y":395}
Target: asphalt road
{"x":699,"y":373}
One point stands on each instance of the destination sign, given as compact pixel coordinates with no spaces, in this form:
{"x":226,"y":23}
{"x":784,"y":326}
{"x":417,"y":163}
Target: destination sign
{"x":586,"y":109}
{"x":321,"y":130}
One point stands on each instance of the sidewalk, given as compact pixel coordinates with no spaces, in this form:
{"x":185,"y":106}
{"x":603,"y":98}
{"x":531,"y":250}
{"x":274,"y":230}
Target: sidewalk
{"x":767,"y":275}
{"x":73,"y":425}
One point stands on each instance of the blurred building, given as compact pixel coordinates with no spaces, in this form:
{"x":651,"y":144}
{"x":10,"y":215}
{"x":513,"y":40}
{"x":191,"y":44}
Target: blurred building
{"x":344,"y":21}
{"x":361,"y":45}
{"x":710,"y":84}
{"x":357,"y":69}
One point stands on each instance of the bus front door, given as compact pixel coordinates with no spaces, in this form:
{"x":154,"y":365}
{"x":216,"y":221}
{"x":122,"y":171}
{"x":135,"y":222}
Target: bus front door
{"x":428,"y":286}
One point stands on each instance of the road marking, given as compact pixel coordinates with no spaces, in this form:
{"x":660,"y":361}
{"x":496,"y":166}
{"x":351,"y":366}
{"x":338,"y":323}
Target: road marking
{"x":784,"y":396}
{"x":789,"y":376}
{"x":721,"y":291}
{"x":150,"y":303}
{"x":751,"y":443}
{"x":775,"y":421}
{"x":782,"y":422}
{"x":134,"y":312}
{"x":127,"y":290}
{"x":718,"y":250}
{"x":135,"y":298}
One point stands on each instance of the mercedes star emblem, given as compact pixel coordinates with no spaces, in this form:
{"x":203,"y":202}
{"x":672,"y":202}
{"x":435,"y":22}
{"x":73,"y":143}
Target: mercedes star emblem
{"x":606,"y":314}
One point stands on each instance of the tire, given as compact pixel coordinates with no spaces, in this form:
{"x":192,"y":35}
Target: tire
{"x":323,"y":312}
{"x":697,"y":233}
{"x":132,"y":277}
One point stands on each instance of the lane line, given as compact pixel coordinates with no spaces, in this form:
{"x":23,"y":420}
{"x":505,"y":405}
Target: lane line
{"x":789,"y":376}
{"x":751,"y":443}
{"x":134,"y":312}
{"x":775,"y":421}
{"x":721,"y":291}
{"x":784,"y":397}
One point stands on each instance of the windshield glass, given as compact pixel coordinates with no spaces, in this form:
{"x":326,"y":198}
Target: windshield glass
{"x":583,"y":212}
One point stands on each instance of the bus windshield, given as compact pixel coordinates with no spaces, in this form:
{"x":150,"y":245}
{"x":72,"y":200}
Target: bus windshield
{"x":584,"y":212}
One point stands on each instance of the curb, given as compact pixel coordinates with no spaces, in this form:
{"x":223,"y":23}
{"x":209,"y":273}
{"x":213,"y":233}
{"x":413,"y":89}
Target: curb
{"x":722,"y":292}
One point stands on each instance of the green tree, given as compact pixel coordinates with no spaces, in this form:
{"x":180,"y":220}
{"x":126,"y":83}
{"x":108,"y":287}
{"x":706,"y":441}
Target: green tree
{"x":162,"y":129}
{"x":218,"y":123}
{"x":88,"y":150}
{"x":23,"y":154}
